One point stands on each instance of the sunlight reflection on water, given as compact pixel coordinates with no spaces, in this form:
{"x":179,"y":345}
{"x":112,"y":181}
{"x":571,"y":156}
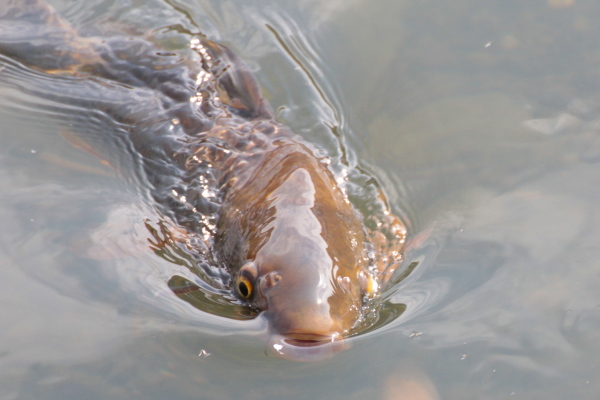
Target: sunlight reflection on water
{"x":504,"y":299}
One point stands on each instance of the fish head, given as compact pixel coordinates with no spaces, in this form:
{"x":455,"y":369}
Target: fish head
{"x":308,"y":310}
{"x":309,"y":299}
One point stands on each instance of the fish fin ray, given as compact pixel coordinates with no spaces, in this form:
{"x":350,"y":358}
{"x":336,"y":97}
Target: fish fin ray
{"x":236,"y":83}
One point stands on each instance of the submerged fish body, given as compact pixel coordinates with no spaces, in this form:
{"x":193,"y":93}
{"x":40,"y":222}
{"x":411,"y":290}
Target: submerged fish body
{"x":292,"y":241}
{"x":295,"y":247}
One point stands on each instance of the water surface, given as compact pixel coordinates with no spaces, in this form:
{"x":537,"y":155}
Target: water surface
{"x":480,"y":118}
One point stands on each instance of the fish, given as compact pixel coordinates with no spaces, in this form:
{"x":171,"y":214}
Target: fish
{"x":264,"y":200}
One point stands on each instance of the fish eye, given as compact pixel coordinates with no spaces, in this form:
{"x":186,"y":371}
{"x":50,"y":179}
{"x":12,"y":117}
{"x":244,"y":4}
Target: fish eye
{"x":244,"y":287}
{"x":245,"y":280}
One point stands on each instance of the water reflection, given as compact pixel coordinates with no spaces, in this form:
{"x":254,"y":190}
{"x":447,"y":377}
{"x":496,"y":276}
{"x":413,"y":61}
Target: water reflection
{"x":504,"y":299}
{"x":187,"y":116}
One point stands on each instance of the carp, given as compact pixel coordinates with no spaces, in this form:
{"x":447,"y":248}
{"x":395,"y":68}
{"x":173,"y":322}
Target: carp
{"x":275,"y":216}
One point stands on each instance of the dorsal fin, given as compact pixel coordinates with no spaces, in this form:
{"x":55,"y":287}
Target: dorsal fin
{"x":237,"y":85}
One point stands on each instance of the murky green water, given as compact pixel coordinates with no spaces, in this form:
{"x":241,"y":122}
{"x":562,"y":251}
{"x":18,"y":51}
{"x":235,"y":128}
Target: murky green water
{"x":479,"y":117}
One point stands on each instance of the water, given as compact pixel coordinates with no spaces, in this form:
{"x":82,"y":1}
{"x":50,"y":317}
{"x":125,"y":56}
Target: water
{"x":479,"y":118}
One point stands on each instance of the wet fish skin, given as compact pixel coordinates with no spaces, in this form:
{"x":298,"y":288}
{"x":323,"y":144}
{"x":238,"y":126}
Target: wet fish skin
{"x":290,"y":218}
{"x":284,"y":227}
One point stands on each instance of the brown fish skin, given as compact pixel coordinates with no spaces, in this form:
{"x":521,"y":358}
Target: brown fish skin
{"x":291,"y":220}
{"x":294,"y":245}
{"x":285,"y":225}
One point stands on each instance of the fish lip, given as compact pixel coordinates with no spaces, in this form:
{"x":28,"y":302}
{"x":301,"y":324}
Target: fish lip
{"x":305,"y":347}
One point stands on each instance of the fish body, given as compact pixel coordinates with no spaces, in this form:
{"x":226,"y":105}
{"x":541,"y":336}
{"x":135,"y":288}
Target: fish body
{"x":295,"y":247}
{"x":293,"y":224}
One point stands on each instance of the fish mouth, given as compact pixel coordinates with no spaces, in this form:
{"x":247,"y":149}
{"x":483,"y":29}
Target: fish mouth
{"x":305,"y":347}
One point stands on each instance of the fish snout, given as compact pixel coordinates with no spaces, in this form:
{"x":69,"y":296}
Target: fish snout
{"x":304,"y":335}
{"x":305,"y":347}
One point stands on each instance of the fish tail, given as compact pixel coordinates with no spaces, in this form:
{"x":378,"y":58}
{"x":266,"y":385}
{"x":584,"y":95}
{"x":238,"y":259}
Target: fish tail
{"x":29,"y":28}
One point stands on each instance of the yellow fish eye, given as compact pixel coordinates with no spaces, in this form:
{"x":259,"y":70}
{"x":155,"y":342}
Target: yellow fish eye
{"x":244,"y":286}
{"x":245,"y":280}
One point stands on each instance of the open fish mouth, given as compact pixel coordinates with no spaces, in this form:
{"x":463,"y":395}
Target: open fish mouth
{"x":305,"y":347}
